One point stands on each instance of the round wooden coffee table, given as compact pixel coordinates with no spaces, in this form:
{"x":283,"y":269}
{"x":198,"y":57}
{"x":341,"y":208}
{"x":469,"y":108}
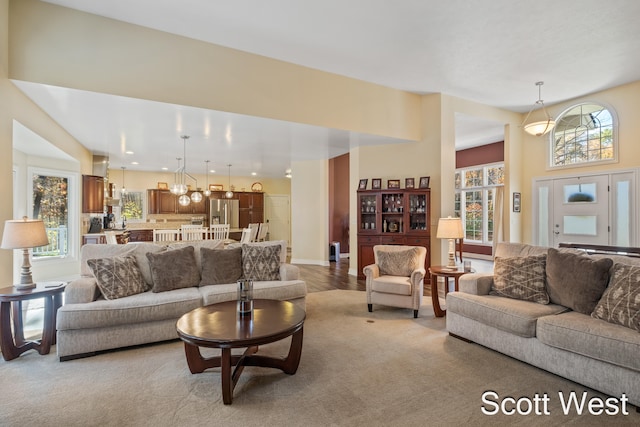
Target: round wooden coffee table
{"x":220,"y":326}
{"x":446,"y":272}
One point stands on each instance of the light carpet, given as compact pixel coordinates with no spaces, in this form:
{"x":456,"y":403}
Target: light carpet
{"x":376,"y":369}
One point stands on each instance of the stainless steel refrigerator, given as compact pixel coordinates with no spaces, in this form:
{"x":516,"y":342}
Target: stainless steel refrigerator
{"x":225,"y":211}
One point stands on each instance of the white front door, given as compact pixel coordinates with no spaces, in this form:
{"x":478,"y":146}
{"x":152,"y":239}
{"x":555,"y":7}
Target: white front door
{"x":581,"y":210}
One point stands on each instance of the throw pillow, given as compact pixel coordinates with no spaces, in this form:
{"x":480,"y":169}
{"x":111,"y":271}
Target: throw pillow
{"x":520,"y":278}
{"x":117,"y":277}
{"x":398,"y":263}
{"x":220,"y":266}
{"x":576,"y":281}
{"x":261,"y":263}
{"x":174,"y":269}
{"x":620,"y":303}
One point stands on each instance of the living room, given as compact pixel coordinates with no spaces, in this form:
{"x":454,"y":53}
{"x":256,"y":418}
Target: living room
{"x":260,"y":86}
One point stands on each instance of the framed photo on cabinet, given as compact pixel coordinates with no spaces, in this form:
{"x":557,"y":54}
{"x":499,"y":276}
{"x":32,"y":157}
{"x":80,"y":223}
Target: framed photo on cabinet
{"x":216,"y":187}
{"x":163,"y":186}
{"x":393,"y":183}
{"x":363,"y":184}
{"x":424,"y":181}
{"x":376,"y":183}
{"x":409,"y":183}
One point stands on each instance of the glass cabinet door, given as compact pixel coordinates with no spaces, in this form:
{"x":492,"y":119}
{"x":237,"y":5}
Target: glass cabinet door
{"x":418,"y":208}
{"x":368,"y":211}
{"x":393,"y":212}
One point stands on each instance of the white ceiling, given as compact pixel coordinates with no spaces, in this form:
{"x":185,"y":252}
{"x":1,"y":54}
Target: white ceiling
{"x":489,"y":51}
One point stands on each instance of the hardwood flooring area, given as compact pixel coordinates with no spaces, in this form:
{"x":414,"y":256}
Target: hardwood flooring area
{"x":335,"y":276}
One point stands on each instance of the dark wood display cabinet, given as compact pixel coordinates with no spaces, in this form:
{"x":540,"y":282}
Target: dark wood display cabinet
{"x":392,"y":217}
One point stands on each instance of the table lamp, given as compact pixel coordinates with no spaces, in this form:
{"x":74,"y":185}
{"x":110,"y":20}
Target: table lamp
{"x":450,"y":228}
{"x":24,"y":234}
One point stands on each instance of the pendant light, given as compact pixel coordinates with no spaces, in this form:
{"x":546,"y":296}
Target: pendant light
{"x":229,"y":193}
{"x":207,"y":191}
{"x":539,"y":128}
{"x":123,"y":190}
{"x":178,"y":187}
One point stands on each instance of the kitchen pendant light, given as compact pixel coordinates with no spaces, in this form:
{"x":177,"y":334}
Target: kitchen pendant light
{"x":229,"y":193}
{"x":178,"y":187}
{"x":123,"y":190}
{"x":539,"y":128}
{"x":207,"y":191}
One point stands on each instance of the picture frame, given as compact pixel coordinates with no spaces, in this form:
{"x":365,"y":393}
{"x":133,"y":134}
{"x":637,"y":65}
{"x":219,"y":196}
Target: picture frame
{"x":424,"y":181}
{"x":393,"y":183}
{"x":376,"y":183}
{"x":409,"y":183}
{"x":163,"y":186}
{"x":516,"y":202}
{"x":216,"y":187}
{"x":363,"y":184}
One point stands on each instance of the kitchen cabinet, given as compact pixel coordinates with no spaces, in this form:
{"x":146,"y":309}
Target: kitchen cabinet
{"x":393,"y":217}
{"x":251,"y":208}
{"x":164,"y":202}
{"x":140,"y":235}
{"x":94,"y":239}
{"x":92,"y":194}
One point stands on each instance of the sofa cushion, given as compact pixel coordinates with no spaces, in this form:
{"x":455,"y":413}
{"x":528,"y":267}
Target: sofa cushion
{"x":135,"y":309}
{"x":261,"y":263}
{"x":197,"y":245}
{"x":174,"y":269}
{"x":520,"y":278}
{"x":137,"y":249}
{"x":582,"y":334}
{"x":576,"y":281}
{"x":507,"y":314}
{"x":220,"y":266}
{"x":620,"y":303}
{"x":398,"y":263}
{"x":117,"y":277}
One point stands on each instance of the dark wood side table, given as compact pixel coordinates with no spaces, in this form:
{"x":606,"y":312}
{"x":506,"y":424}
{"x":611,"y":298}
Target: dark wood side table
{"x":446,"y":272}
{"x":219,"y":326}
{"x":14,"y":344}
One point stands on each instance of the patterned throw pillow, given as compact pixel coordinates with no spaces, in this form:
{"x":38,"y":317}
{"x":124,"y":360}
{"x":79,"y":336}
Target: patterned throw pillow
{"x":398,"y":263}
{"x":261,"y":263}
{"x":620,"y":303}
{"x":117,"y":277}
{"x":174,"y":269}
{"x":520,"y":278}
{"x":220,"y":266}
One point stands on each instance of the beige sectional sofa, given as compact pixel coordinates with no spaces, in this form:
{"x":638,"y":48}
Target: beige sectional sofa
{"x":87,"y":322}
{"x":599,"y":354}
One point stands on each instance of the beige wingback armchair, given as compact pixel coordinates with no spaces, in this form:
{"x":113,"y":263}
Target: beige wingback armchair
{"x":396,"y":278}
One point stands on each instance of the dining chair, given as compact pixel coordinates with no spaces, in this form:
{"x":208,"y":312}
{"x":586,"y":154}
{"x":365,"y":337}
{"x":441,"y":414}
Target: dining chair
{"x":246,"y":235}
{"x":193,"y":233}
{"x":254,"y":226}
{"x":262,"y":232}
{"x":111,"y":237}
{"x":220,"y":231}
{"x":165,"y":235}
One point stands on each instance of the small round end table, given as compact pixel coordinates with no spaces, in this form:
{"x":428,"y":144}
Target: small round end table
{"x":446,"y":272}
{"x":14,"y":344}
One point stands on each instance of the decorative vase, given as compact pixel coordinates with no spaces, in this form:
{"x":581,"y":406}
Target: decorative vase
{"x":245,"y":297}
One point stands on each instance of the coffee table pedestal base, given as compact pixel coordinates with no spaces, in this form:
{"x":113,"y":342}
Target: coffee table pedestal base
{"x":226,"y":361}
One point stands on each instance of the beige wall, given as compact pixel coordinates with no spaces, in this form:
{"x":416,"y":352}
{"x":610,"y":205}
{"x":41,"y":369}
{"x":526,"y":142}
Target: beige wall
{"x":625,"y":102}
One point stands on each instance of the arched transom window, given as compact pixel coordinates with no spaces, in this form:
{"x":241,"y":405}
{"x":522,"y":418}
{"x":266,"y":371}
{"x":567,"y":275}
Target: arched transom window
{"x":583,"y":134}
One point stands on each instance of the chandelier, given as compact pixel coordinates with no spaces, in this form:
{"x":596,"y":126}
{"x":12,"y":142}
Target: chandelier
{"x":539,"y":128}
{"x":179,"y":187}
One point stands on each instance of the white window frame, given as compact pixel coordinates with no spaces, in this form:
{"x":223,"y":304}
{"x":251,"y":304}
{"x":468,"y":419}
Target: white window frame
{"x":614,"y":130}
{"x":485,"y":188}
{"x":73,"y":197}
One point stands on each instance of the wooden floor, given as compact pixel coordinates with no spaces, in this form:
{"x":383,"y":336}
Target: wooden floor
{"x":335,"y":276}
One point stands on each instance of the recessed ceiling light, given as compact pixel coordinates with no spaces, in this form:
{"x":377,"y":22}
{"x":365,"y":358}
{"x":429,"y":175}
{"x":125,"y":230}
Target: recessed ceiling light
{"x":129,"y":152}
{"x":253,"y":174}
{"x":212,"y":171}
{"x":165,"y":169}
{"x":135,"y":163}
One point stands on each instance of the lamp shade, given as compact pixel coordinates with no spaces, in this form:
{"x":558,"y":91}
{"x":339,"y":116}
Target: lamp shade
{"x":540,"y":128}
{"x":450,"y":228}
{"x":24,"y":233}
